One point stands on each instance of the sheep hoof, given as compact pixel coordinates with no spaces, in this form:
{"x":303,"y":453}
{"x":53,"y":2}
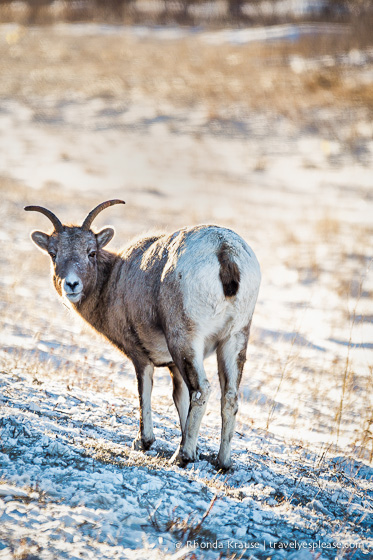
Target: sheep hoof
{"x":224,"y":464}
{"x":182,"y":458}
{"x":141,"y":444}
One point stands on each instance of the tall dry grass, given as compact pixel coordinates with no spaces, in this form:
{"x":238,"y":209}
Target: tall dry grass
{"x":293,"y":79}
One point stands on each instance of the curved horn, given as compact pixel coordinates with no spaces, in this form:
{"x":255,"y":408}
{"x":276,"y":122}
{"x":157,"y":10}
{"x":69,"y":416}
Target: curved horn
{"x":53,"y":218}
{"x":91,"y":216}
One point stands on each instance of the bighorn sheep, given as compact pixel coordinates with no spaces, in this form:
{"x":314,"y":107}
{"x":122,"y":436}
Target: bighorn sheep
{"x":166,"y":300}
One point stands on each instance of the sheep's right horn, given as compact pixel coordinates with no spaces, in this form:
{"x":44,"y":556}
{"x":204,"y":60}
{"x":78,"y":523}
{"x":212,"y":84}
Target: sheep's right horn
{"x":53,"y":218}
{"x":91,"y":216}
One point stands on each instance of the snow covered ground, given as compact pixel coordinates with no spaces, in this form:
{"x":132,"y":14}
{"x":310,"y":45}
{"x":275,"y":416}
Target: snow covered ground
{"x":302,"y":483}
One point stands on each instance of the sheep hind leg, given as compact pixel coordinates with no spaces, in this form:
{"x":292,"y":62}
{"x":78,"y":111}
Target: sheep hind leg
{"x":194,"y":376}
{"x":231,"y":354}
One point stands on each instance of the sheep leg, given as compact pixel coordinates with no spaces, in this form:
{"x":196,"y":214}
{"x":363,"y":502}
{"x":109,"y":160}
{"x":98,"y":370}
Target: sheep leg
{"x":231,"y":354}
{"x":180,"y":395}
{"x":145,"y":437}
{"x":193,"y":373}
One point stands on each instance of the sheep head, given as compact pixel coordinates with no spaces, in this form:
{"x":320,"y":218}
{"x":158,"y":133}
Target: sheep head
{"x":75,"y":252}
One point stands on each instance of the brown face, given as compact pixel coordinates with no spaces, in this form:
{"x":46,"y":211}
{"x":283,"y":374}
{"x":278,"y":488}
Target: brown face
{"x":74,"y":253}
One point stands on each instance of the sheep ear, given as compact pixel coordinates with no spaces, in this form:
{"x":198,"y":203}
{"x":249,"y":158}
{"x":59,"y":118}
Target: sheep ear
{"x":104,"y":237}
{"x":40,"y":239}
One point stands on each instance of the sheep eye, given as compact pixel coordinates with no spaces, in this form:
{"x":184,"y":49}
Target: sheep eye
{"x":92,"y":254}
{"x":52,"y":255}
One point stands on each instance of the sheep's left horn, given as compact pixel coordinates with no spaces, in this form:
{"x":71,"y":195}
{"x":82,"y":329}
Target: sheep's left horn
{"x":53,"y":218}
{"x":91,"y":216}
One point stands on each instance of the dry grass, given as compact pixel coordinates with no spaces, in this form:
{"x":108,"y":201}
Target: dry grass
{"x":182,"y":72}
{"x":317,"y":252}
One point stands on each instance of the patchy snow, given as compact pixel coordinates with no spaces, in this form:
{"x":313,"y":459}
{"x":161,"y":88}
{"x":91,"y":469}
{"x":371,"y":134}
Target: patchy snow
{"x":72,"y":480}
{"x":288,"y":32}
{"x":283,"y":32}
{"x":302,"y":485}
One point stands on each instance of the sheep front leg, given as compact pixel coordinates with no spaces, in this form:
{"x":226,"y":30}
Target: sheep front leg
{"x":145,"y":437}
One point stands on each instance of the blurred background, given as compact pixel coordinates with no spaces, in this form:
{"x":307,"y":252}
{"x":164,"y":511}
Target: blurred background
{"x":186,"y":12}
{"x":256,"y":115}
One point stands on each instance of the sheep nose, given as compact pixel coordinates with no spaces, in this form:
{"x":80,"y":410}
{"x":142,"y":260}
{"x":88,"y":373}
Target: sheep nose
{"x":72,"y":285}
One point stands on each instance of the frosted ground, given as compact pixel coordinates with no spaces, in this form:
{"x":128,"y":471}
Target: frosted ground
{"x":302,"y":483}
